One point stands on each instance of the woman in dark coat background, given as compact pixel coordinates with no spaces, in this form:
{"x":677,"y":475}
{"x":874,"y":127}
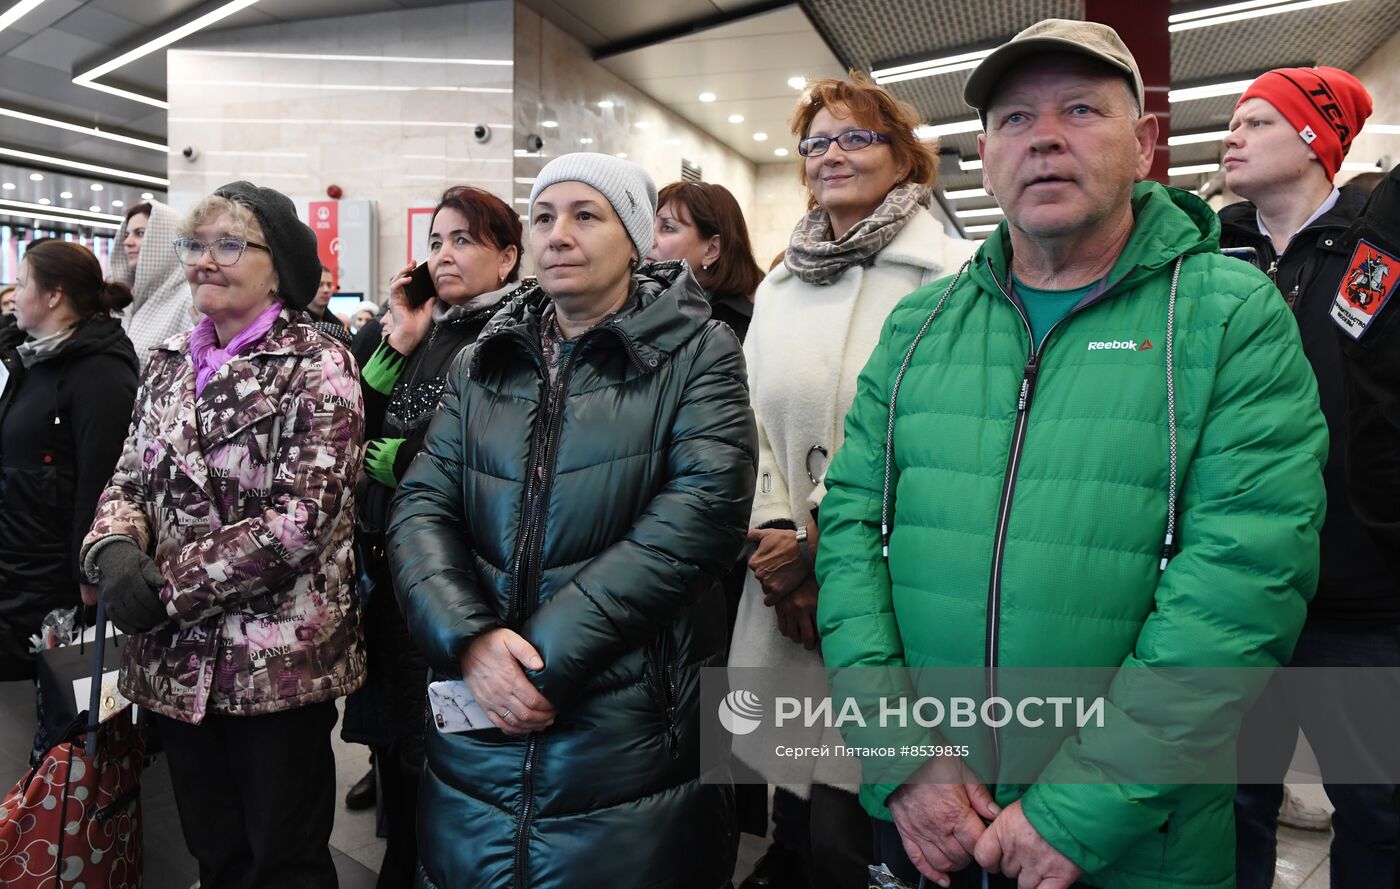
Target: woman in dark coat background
{"x":67,"y":385}
{"x":701,"y":223}
{"x":474,"y":261}
{"x":558,"y":545}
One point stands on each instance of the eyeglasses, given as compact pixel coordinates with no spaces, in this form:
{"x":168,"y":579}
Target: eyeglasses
{"x":226,"y":251}
{"x":851,"y":140}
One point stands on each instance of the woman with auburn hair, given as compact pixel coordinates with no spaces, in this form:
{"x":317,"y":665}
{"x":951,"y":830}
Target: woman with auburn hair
{"x":701,"y":223}
{"x":865,"y":243}
{"x":474,"y":249}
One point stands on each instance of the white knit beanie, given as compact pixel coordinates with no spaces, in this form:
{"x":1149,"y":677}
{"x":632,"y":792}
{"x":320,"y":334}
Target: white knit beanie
{"x":626,"y":186}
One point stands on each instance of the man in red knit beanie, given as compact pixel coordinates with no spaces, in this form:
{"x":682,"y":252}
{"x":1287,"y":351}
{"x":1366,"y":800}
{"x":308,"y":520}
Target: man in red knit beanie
{"x":1289,"y":134}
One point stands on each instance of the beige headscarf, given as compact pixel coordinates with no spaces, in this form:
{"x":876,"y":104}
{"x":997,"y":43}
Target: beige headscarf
{"x":160,"y":306}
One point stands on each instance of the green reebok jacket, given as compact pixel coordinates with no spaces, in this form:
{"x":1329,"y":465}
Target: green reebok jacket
{"x":1029,"y":505}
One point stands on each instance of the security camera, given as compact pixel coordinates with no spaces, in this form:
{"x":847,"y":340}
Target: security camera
{"x":482,"y":133}
{"x":533,"y":142}
{"x":190,"y":153}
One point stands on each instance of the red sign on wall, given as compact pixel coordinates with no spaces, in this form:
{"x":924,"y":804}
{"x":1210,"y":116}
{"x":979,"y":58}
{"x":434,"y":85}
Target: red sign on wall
{"x":325,"y":222}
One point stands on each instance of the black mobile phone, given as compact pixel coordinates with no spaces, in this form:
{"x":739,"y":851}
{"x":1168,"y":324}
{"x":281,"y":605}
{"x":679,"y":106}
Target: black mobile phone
{"x":419,"y":288}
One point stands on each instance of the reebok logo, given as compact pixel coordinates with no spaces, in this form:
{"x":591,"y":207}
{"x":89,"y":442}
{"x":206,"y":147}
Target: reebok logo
{"x":1119,"y":346}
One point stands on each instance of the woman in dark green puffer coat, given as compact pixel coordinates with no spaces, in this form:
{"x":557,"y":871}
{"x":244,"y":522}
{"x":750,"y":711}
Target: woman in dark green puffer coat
{"x":558,"y":544}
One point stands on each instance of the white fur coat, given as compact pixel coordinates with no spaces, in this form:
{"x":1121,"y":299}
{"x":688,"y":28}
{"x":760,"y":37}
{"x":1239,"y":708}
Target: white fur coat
{"x":805,"y":350}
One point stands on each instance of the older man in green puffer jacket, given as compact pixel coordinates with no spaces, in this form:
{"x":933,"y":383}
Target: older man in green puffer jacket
{"x":1033,"y":478}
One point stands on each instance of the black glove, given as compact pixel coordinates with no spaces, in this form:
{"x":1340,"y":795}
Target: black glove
{"x":129,"y":582}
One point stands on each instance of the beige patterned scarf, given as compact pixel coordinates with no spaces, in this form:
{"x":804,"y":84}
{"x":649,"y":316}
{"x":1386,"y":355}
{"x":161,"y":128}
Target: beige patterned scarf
{"x":813,"y":256}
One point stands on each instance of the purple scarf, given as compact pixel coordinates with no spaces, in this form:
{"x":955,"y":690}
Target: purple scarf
{"x":205,"y":351}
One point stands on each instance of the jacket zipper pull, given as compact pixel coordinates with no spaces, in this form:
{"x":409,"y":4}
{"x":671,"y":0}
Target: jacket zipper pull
{"x":1272,"y":271}
{"x":1028,"y":384}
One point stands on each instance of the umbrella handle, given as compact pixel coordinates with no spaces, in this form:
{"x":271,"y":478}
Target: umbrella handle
{"x":95,"y":693}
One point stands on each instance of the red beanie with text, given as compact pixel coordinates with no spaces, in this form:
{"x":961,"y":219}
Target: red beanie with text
{"x":1326,"y":106}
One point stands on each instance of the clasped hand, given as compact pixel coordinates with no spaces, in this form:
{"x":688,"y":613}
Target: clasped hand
{"x":493,"y":667}
{"x":940,"y":813}
{"x":789,"y":586}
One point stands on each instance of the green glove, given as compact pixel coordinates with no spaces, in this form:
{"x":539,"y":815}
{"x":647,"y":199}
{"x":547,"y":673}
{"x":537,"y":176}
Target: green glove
{"x":383,"y":368}
{"x":380,"y":455}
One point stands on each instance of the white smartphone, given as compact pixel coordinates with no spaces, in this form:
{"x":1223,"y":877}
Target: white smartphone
{"x":454,"y":708}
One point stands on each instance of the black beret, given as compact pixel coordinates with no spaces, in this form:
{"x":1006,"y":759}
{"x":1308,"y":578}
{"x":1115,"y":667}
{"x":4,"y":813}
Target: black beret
{"x":291,"y":241}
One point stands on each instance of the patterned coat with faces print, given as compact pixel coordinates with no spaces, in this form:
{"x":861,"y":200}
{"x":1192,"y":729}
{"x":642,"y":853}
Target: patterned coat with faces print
{"x":244,"y":496}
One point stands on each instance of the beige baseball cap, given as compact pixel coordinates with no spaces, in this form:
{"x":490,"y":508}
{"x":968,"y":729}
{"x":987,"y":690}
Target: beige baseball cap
{"x":1099,"y":42}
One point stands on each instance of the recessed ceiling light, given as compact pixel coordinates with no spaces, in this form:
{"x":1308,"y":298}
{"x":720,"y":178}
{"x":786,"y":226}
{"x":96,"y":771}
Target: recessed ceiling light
{"x":930,"y":67}
{"x":1208,"y":91}
{"x":118,"y":203}
{"x":1237,"y":12}
{"x":979,"y":214}
{"x":780,"y":152}
{"x":797,"y":82}
{"x":96,"y":186}
{"x":145,"y":196}
{"x":36,"y":177}
{"x":642,"y":124}
{"x":79,"y":165}
{"x":585,"y":141}
{"x":736,"y":118}
{"x":78,"y":128}
{"x":12,"y":15}
{"x":1197,"y":138}
{"x":1192,"y":169}
{"x":673,"y":142}
{"x":707,"y":97}
{"x":66,"y":195}
{"x":88,"y":78}
{"x":49,"y":217}
{"x":45,"y":201}
{"x":96,"y":209}
{"x":9,"y":186}
{"x":969,"y":163}
{"x":606,"y":103}
{"x":965,"y":193}
{"x":924,"y":133}
{"x":622,"y":154}
{"x":549,"y":124}
{"x":760,"y":137}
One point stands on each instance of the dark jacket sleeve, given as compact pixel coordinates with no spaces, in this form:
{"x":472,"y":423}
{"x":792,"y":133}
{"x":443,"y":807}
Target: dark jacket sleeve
{"x":679,"y":545}
{"x":1371,"y":375}
{"x":429,"y":544}
{"x":101,"y":417}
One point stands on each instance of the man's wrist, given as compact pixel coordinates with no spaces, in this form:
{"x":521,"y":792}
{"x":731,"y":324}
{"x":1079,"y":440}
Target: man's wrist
{"x":804,"y":548}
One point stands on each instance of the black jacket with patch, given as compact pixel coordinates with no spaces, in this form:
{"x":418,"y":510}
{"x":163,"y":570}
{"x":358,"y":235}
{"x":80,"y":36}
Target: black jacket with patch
{"x":1355,"y":582}
{"x":1371,"y":378}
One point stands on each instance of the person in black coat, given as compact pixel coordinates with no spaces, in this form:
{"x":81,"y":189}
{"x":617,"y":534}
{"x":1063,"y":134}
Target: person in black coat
{"x":67,"y":385}
{"x":1282,"y":154}
{"x":701,"y":223}
{"x":474,"y":247}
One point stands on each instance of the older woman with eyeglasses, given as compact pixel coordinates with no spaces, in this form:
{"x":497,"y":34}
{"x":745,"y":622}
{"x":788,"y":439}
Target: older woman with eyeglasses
{"x":866,"y":242}
{"x":223,"y":544}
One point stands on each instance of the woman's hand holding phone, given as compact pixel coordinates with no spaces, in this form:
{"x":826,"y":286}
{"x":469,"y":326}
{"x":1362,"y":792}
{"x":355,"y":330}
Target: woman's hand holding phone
{"x":410,"y":323}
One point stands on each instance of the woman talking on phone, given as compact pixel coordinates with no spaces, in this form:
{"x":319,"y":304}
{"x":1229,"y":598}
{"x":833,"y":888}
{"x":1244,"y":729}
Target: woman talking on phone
{"x":473,"y":263}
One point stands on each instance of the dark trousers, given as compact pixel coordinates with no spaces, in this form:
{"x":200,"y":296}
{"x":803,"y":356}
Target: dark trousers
{"x":1366,"y":824}
{"x":829,"y":831}
{"x":398,"y":771}
{"x":256,"y":797}
{"x":889,"y":850}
